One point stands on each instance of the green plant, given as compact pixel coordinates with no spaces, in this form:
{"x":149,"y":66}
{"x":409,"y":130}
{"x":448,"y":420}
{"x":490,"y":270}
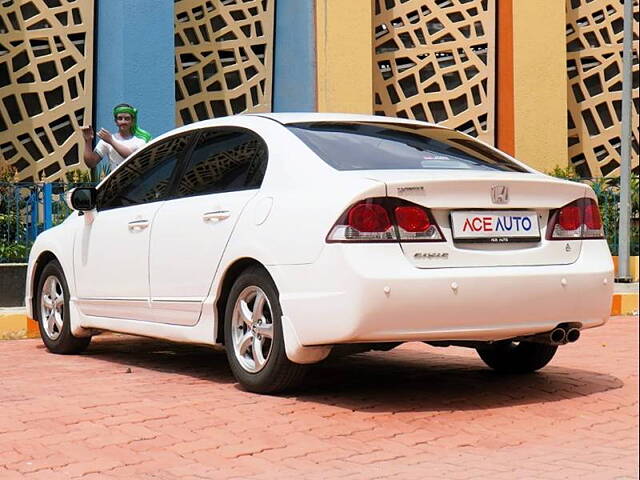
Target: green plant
{"x":13,"y":252}
{"x":608,"y":199}
{"x":10,"y":249}
{"x":567,"y":173}
{"x":78,"y":176}
{"x":8,"y":174}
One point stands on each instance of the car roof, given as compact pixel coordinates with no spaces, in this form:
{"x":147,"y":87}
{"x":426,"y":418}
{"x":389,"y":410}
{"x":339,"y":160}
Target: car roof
{"x":303,"y":117}
{"x":286,"y":118}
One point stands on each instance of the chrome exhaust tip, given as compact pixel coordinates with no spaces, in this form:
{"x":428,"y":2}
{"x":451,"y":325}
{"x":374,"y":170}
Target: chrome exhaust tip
{"x":573,"y":334}
{"x":558,"y":336}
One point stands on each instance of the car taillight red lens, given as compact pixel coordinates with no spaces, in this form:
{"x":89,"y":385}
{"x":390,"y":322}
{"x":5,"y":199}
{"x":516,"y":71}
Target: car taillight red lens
{"x":415,"y":224}
{"x":592,"y":221}
{"x":579,"y":219}
{"x":365,"y":221}
{"x":369,"y":218}
{"x":385,"y":220}
{"x":412,"y":219}
{"x":569,"y":218}
{"x":592,"y":216}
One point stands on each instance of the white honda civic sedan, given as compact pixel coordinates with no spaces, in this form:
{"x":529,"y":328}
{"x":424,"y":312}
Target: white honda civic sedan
{"x":282,"y":236}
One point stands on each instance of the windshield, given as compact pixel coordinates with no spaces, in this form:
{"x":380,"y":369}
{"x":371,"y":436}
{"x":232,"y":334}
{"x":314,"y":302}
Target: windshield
{"x":385,"y":146}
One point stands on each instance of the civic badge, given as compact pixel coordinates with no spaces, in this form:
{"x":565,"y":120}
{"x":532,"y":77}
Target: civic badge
{"x":431,"y":255}
{"x":499,"y":194}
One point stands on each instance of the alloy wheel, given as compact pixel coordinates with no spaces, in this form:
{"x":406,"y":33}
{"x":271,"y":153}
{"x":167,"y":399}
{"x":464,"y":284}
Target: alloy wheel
{"x":52,"y":307}
{"x":252,"y":329}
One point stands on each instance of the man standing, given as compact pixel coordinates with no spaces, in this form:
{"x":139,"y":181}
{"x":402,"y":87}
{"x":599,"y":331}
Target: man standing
{"x":119,"y":145}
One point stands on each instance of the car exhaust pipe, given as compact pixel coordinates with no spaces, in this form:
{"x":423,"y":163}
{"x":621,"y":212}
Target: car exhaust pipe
{"x":573,"y":334}
{"x":558,"y":336}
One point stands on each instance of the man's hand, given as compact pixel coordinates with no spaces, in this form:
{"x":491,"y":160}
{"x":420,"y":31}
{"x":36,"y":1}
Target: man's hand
{"x":91,"y":158}
{"x":87,"y":133}
{"x":105,"y":135}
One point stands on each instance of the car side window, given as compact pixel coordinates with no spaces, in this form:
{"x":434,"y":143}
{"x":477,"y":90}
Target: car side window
{"x":145,"y":177}
{"x":224,"y":160}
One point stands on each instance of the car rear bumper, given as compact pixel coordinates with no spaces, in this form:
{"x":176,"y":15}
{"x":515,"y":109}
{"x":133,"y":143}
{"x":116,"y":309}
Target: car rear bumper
{"x":372,"y":294}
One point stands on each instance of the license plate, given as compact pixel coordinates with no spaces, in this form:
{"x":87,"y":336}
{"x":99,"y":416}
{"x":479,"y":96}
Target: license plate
{"x":495,"y":226}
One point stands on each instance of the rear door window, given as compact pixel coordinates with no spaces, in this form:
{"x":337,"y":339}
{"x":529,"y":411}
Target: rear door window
{"x":384,"y":146}
{"x":224,"y":160}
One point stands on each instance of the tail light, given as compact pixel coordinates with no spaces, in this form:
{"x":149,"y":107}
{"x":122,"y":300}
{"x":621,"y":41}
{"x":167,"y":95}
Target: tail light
{"x":592,"y":221}
{"x":385,"y":220}
{"x":368,"y":222}
{"x":577,"y":220}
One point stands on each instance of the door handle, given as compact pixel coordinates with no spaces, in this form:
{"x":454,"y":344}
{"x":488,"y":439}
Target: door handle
{"x":217,"y":215}
{"x":138,"y":224}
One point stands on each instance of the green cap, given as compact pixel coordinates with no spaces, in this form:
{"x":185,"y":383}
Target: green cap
{"x":135,"y":130}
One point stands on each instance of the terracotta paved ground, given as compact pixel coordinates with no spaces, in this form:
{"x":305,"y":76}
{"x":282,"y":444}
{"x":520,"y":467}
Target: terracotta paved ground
{"x":140,"y":409}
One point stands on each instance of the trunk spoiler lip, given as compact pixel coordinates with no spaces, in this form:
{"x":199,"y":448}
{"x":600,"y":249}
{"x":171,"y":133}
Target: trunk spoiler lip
{"x":417,"y":190}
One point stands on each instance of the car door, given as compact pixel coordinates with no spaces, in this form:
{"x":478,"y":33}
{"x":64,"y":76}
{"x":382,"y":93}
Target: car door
{"x":192,"y":229}
{"x":111,"y":253}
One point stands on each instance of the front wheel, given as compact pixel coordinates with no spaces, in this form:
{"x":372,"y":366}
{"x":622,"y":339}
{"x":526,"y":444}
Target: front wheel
{"x":517,"y":357}
{"x":52,"y":311}
{"x":253,"y":336}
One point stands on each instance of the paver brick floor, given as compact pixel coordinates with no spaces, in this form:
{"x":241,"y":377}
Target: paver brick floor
{"x":143,"y":409}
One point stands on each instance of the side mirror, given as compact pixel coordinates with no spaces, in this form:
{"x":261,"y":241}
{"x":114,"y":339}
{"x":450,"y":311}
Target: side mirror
{"x":82,"y":199}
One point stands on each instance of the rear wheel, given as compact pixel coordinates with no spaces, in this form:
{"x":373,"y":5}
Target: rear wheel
{"x":253,"y":336}
{"x":52,"y":311}
{"x":517,"y":357}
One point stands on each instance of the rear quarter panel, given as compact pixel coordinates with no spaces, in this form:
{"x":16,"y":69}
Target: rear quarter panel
{"x":300,"y":199}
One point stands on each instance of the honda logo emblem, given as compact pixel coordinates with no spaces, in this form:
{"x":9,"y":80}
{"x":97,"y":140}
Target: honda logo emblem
{"x":499,"y":194}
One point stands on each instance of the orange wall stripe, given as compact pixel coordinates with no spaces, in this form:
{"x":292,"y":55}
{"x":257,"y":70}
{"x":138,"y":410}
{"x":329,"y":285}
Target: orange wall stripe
{"x":505,"y":118}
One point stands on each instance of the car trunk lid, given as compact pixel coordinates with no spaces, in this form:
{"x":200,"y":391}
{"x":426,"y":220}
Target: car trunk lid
{"x":461,"y":201}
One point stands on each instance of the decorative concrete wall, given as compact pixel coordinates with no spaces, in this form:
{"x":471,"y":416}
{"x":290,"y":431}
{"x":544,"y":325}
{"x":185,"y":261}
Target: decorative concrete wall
{"x":435,"y":61}
{"x":46,"y":85}
{"x":594,"y":34}
{"x":223,"y":58}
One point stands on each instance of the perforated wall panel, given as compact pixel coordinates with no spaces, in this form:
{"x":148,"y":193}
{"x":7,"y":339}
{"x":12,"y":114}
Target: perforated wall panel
{"x":594,"y":68}
{"x":46,"y":74}
{"x":224,"y":57}
{"x":434,"y":60}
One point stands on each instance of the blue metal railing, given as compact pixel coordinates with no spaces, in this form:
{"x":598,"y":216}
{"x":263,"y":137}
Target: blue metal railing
{"x":26,"y":210}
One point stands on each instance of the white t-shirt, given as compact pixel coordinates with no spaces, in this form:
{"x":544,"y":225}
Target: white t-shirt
{"x":103,"y":148}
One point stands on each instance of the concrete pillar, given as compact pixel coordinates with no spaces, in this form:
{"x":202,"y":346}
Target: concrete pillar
{"x":344,"y":56}
{"x":135,"y":62}
{"x":294,"y":76}
{"x":540,"y":83}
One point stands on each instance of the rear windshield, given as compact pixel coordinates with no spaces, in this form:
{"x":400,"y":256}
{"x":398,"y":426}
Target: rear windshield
{"x":385,"y":146}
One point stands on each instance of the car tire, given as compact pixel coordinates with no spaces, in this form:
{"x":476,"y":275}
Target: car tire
{"x":517,"y":357}
{"x":52,"y":312}
{"x":253,"y":336}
